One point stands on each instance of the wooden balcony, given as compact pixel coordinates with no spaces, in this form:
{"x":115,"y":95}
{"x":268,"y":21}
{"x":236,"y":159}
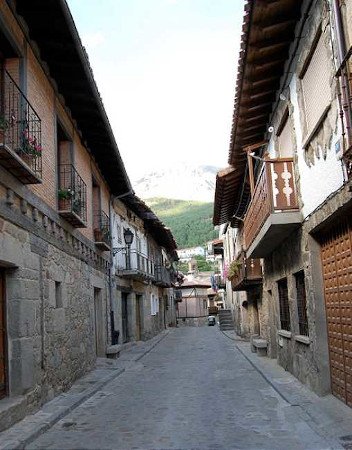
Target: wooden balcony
{"x":72,"y":196}
{"x":248,"y":275}
{"x":20,"y":134}
{"x":162,"y":276}
{"x":101,"y":226}
{"x":273,"y":212}
{"x":134,"y":265}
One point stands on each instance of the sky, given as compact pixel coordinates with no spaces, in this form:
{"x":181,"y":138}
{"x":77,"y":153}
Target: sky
{"x":166,"y":72}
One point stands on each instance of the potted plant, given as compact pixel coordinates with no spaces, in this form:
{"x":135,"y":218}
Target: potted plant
{"x":65,"y":195}
{"x":234,"y":268}
{"x":30,"y":148}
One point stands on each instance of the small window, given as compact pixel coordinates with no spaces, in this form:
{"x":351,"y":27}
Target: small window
{"x":284,"y":305}
{"x":58,"y":294}
{"x":301,"y":303}
{"x":119,"y":233}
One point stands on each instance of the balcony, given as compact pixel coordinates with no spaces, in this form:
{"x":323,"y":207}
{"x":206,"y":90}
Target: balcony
{"x":219,"y":281}
{"x":134,"y":265}
{"x":248,"y":274}
{"x":101,"y":225}
{"x":162,"y":276}
{"x":178,"y":295}
{"x":273,"y":212}
{"x":72,"y":196}
{"x":20,"y":134}
{"x":347,"y":158}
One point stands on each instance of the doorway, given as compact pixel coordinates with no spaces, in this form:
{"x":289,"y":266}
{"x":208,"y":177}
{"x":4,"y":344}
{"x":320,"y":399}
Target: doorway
{"x":139,"y":305}
{"x":336,"y":255}
{"x":124,"y":317}
{"x":98,"y":322}
{"x":3,"y":380}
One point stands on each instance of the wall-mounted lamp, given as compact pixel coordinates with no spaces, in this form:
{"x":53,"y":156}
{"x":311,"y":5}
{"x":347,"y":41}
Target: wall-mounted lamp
{"x":128,"y":238}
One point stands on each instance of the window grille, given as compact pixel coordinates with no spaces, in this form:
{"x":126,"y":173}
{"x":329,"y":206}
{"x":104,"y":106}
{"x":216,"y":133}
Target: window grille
{"x":284,"y":305}
{"x":301,"y":304}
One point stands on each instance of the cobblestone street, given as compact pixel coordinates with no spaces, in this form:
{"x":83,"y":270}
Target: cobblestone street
{"x":197,"y":389}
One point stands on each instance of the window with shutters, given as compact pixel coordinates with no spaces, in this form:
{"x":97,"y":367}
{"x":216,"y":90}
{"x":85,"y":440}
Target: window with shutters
{"x":315,"y":84}
{"x":284,"y":305}
{"x":301,"y":303}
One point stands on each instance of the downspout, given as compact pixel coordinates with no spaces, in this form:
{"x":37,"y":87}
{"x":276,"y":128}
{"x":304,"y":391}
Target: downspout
{"x":342,"y":60}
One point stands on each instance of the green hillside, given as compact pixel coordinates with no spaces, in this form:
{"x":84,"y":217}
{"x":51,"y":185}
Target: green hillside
{"x":189,"y":221}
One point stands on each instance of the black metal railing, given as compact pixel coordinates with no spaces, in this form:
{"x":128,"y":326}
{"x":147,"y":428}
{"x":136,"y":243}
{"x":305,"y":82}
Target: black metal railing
{"x":101,"y":225}
{"x":20,"y":125}
{"x":72,"y":192}
{"x":135,"y":261}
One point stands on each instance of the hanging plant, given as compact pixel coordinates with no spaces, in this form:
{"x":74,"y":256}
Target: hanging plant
{"x":234,"y":268}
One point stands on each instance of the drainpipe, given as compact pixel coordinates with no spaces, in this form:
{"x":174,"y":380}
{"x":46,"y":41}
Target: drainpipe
{"x":341,"y":48}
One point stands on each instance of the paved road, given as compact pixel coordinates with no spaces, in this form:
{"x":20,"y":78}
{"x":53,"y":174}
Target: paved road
{"x":194,"y":390}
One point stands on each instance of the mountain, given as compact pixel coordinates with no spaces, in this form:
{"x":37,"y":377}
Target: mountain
{"x":190,"y":221}
{"x":183,"y":181}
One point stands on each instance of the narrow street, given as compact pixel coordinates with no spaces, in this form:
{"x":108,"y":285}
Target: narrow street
{"x":193,"y":390}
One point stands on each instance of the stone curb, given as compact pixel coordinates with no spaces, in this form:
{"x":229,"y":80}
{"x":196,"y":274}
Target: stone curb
{"x":32,"y":426}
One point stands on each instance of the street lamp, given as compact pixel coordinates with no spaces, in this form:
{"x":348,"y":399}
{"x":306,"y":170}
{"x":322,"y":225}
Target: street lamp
{"x":128,"y":237}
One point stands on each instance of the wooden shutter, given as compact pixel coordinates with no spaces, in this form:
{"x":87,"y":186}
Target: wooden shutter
{"x":316,"y":85}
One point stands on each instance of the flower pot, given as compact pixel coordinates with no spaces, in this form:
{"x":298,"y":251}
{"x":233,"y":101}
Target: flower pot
{"x":28,"y":159}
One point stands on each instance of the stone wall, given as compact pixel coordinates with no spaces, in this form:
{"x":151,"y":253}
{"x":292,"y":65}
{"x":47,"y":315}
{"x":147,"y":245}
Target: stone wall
{"x":50,"y":274}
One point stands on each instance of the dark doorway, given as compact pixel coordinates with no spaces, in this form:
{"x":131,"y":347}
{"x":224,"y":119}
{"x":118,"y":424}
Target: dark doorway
{"x":124,"y":316}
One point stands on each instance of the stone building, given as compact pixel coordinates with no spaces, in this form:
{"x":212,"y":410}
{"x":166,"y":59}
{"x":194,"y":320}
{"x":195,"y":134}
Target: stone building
{"x":287,"y":191}
{"x":143,"y":271}
{"x":60,"y":168}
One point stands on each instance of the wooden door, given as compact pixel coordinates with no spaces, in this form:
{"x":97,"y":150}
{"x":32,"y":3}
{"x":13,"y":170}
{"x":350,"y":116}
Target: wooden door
{"x":336,"y":252}
{"x":2,"y":337}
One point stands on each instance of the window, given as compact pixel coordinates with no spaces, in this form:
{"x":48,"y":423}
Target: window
{"x":119,"y":233}
{"x":284,"y":305}
{"x":58,"y":294}
{"x":315,"y":80}
{"x":301,"y":303}
{"x":154,"y":305}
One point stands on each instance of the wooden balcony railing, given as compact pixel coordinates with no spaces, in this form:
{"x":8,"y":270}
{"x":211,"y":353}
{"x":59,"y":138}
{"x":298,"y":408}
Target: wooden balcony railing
{"x":101,"y":226}
{"x":133,"y":264}
{"x":162,"y":276}
{"x":248,"y":274}
{"x":20,"y":133}
{"x":72,"y":196}
{"x":275,"y":192}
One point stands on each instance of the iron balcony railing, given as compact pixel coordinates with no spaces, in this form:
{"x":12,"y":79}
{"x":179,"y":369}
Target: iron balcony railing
{"x":101,"y":226}
{"x":275,"y":192}
{"x":72,"y":195}
{"x":133,"y":262}
{"x":20,"y":126}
